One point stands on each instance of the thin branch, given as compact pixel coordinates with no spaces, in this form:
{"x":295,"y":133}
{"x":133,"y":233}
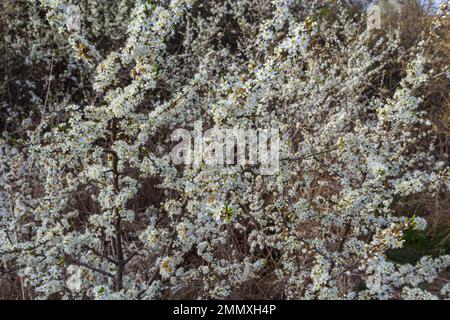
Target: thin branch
{"x":80,"y":263}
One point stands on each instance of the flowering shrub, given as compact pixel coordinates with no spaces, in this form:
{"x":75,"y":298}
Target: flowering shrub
{"x":91,"y":205}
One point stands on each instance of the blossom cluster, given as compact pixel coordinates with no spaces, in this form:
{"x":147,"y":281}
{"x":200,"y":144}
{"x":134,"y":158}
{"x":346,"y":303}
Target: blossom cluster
{"x":91,"y":205}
